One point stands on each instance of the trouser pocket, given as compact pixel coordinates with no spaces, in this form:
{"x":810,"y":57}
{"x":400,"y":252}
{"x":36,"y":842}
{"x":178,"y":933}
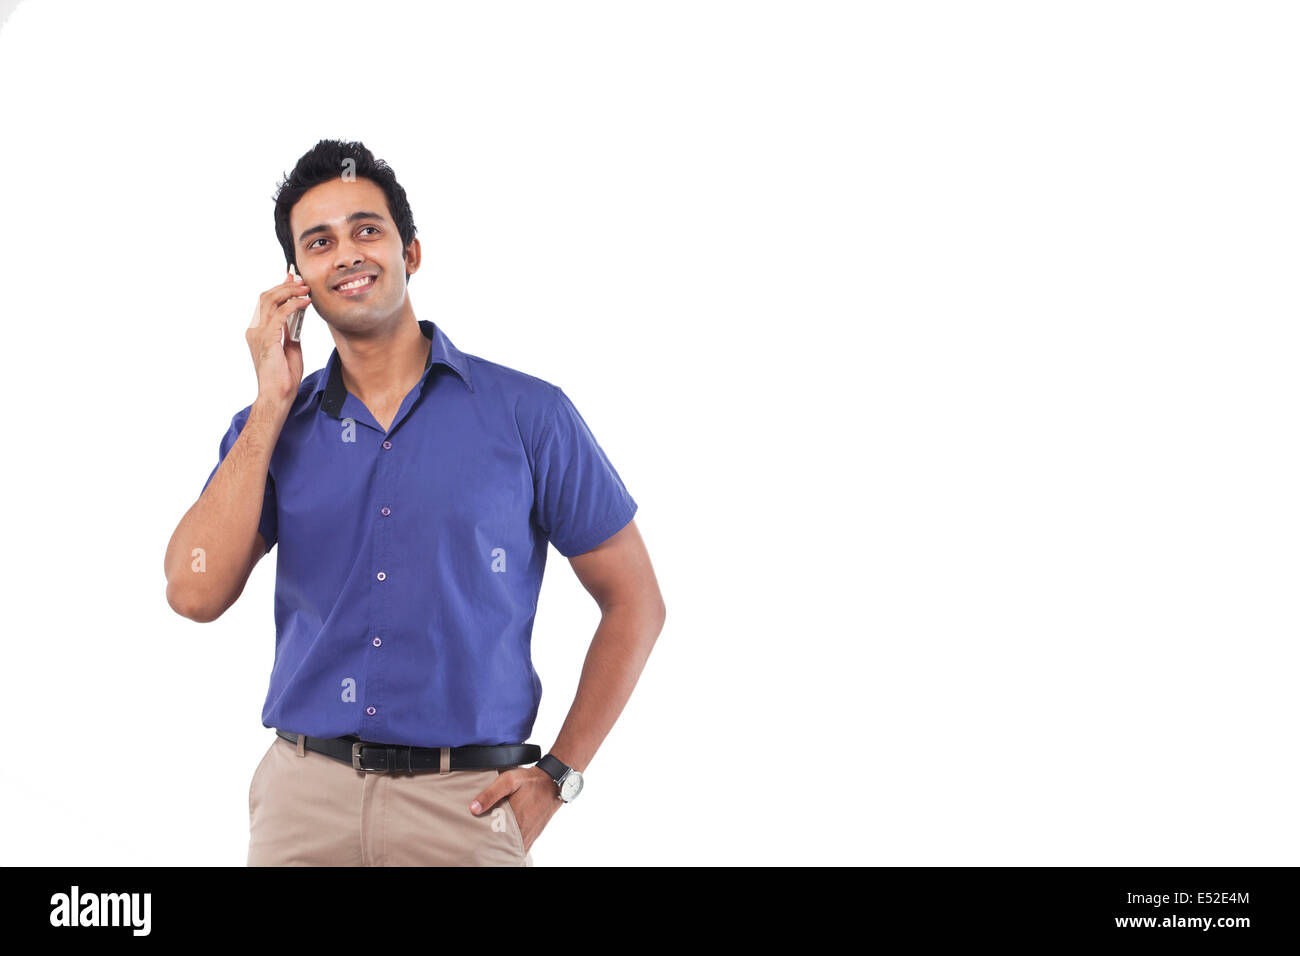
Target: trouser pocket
{"x":252,"y":784}
{"x":513,"y":823}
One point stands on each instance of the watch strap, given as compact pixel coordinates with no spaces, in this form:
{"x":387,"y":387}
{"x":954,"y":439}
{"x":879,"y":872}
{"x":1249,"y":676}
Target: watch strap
{"x":554,"y":767}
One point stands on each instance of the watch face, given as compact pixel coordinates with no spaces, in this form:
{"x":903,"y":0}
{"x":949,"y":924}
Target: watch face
{"x":572,"y":786}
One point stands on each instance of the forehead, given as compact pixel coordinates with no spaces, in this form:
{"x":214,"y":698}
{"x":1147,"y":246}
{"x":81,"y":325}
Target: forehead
{"x":332,"y":202}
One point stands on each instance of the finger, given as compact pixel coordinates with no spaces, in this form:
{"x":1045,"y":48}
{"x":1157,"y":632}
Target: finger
{"x":289,"y":306}
{"x":287,"y":295}
{"x":276,"y":295}
{"x":287,"y":283}
{"x":299,"y":300}
{"x":269,"y":323}
{"x":279,"y":296}
{"x":489,"y":796}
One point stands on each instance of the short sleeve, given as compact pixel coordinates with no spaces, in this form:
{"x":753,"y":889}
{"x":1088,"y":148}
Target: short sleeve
{"x":580,"y":499}
{"x":267,"y":525}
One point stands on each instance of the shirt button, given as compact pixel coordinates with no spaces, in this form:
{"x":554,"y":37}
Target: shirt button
{"x":376,"y":642}
{"x":388,"y":444}
{"x":381,"y":575}
{"x":384,"y":512}
{"x":370,"y":711}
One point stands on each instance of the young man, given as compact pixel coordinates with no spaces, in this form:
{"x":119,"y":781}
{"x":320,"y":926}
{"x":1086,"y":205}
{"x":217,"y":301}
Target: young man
{"x":413,"y":490}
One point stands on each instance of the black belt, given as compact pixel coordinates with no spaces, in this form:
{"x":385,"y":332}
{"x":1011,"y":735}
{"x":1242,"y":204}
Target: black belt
{"x":382,"y":758}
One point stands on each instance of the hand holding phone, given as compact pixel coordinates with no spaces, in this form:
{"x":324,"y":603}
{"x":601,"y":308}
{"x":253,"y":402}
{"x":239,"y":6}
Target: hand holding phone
{"x":276,"y":350}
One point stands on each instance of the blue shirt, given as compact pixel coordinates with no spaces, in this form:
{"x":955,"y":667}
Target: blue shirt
{"x":411,"y":560}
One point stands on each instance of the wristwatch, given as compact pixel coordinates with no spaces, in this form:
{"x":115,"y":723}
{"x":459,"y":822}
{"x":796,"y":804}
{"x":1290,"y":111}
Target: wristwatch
{"x":568,"y":780}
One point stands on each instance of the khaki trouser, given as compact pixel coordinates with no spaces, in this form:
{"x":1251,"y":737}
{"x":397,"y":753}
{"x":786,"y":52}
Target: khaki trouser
{"x":307,"y":809}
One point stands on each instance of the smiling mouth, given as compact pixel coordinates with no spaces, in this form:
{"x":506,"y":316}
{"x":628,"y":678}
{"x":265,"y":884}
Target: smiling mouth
{"x":356,"y":286}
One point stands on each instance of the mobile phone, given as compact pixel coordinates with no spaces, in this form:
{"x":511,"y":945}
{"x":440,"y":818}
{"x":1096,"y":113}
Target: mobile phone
{"x":295,"y":320}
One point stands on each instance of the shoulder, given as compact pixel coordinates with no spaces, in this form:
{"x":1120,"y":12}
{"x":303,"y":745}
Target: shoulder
{"x":504,"y":380}
{"x":528,"y":396}
{"x":525,"y":400}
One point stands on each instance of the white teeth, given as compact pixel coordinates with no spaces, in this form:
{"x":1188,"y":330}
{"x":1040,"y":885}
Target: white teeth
{"x":355,"y":283}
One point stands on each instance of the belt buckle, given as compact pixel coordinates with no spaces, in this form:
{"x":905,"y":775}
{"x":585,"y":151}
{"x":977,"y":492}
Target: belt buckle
{"x":356,"y":759}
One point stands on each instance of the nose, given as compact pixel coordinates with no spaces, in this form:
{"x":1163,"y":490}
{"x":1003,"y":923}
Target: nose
{"x":348,"y":259}
{"x":349,"y":255}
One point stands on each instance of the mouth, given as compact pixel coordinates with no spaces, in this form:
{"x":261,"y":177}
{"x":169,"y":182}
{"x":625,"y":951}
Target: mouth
{"x":357,"y":285}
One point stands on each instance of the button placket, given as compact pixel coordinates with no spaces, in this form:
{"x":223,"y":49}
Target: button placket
{"x":381,"y":601}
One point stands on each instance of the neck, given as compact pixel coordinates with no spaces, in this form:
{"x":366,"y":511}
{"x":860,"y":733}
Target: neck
{"x":383,"y":366}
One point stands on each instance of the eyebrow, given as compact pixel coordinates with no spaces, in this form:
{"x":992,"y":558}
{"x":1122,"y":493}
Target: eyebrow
{"x":352,"y":218}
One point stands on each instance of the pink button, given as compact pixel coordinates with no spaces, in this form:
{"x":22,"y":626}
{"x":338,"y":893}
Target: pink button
{"x":384,"y":512}
{"x":381,"y":575}
{"x":376,"y":642}
{"x":370,"y":711}
{"x":388,"y":444}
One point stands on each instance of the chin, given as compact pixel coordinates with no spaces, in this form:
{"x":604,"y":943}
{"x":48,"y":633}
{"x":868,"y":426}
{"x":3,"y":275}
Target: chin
{"x":359,"y":319}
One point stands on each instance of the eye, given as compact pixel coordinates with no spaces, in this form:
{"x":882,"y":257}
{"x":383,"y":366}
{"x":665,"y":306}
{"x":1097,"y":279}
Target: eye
{"x":363,"y":229}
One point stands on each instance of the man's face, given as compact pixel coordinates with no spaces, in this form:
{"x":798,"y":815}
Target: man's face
{"x":342,"y":231}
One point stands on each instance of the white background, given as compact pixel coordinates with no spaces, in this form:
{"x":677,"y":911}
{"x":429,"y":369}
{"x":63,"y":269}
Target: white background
{"x":949,"y":350}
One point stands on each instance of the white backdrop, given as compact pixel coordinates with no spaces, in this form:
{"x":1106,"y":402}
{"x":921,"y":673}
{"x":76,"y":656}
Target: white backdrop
{"x":948,"y":349}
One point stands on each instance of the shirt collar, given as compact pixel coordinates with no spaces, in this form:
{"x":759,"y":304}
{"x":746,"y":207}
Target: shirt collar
{"x":441,"y":351}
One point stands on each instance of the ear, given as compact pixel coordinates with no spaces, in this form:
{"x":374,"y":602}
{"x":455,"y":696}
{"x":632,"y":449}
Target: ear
{"x":412,"y":258}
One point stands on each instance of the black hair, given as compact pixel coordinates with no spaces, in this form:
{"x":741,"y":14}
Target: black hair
{"x":329,"y":160}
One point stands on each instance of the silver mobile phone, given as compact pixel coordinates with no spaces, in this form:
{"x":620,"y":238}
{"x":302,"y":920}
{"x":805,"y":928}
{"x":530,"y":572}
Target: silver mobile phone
{"x":295,"y":320}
